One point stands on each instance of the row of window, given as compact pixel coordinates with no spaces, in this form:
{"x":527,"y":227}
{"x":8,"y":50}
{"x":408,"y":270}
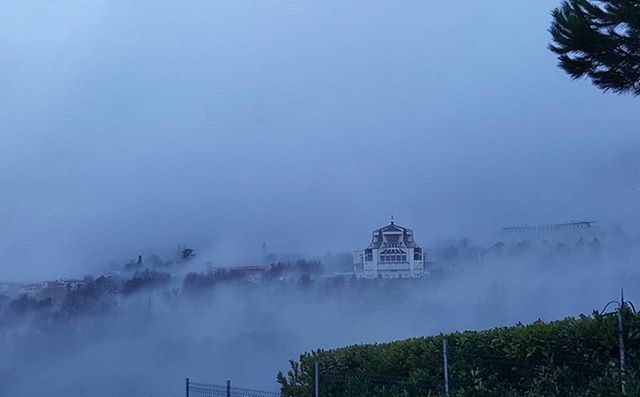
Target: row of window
{"x":417,"y":256}
{"x":393,"y":258}
{"x":391,"y":275}
{"x":394,"y":266}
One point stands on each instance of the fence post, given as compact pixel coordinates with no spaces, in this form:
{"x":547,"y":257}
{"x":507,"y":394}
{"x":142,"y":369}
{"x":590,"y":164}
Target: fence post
{"x":621,"y":341}
{"x":445,"y":360}
{"x":228,"y":388}
{"x":317,"y":378}
{"x":186,"y":387}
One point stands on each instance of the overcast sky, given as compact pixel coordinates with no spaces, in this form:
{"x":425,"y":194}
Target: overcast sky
{"x":134,"y":126}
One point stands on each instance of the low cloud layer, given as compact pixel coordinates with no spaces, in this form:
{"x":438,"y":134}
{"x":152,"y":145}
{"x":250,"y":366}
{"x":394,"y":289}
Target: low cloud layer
{"x":247,"y":332}
{"x":126,"y":128}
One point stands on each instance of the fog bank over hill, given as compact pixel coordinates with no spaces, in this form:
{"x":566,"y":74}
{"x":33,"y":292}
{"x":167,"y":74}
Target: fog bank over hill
{"x":126,"y":128}
{"x":211,"y":327}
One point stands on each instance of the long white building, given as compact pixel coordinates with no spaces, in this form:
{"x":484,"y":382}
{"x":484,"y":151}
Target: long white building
{"x":392,"y":253}
{"x":561,"y":233}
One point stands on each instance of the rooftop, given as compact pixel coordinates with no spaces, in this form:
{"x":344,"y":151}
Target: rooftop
{"x":557,"y":226}
{"x":392,"y":235}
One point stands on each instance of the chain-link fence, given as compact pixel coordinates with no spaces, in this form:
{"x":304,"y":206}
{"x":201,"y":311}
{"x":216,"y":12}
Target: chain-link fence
{"x":338,"y":384}
{"x":601,"y":376}
{"x":195,"y":389}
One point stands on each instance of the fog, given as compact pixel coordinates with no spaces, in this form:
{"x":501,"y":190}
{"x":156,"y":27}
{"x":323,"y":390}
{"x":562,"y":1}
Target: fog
{"x":246,"y":332}
{"x":127,"y":127}
{"x":130,"y":127}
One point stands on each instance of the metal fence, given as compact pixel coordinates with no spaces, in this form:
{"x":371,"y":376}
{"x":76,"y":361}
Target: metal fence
{"x":195,"y":389}
{"x":608,"y":375}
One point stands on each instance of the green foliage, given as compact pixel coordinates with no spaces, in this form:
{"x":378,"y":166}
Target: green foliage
{"x":600,"y":40}
{"x":572,"y":357}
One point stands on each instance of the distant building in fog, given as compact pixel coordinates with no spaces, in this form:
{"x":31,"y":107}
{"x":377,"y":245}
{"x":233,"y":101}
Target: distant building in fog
{"x":561,"y":233}
{"x":50,"y":288}
{"x":392,"y":253}
{"x":34,"y":290}
{"x":250,"y":273}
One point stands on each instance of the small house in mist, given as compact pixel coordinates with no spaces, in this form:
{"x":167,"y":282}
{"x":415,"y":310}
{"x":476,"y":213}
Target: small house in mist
{"x":249,"y":273}
{"x":393,"y":253}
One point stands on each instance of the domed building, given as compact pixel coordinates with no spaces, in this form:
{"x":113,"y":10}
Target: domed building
{"x":393,"y":253}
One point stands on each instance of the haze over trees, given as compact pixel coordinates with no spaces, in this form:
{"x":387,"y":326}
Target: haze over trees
{"x":599,"y":40}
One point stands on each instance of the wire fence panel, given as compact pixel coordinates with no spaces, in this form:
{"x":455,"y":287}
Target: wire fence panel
{"x":336,"y":384}
{"x":244,"y":392}
{"x":205,"y":389}
{"x":195,"y":389}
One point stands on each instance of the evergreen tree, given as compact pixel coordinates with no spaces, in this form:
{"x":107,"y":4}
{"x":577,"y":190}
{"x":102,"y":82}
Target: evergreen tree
{"x":599,"y":40}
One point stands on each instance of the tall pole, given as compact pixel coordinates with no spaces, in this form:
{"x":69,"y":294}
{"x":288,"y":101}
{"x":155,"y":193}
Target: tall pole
{"x":317,"y":378}
{"x":445,"y":360}
{"x":228,"y":388}
{"x":621,"y":341}
{"x":186,"y":387}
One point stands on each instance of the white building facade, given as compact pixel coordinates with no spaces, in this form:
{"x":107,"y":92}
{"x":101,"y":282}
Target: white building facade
{"x":392,"y":253}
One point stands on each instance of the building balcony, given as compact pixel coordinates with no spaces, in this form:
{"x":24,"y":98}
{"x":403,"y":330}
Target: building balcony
{"x":394,"y":266}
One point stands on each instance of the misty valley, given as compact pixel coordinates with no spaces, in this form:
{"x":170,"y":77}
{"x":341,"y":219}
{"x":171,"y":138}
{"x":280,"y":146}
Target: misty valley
{"x":142,"y":328}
